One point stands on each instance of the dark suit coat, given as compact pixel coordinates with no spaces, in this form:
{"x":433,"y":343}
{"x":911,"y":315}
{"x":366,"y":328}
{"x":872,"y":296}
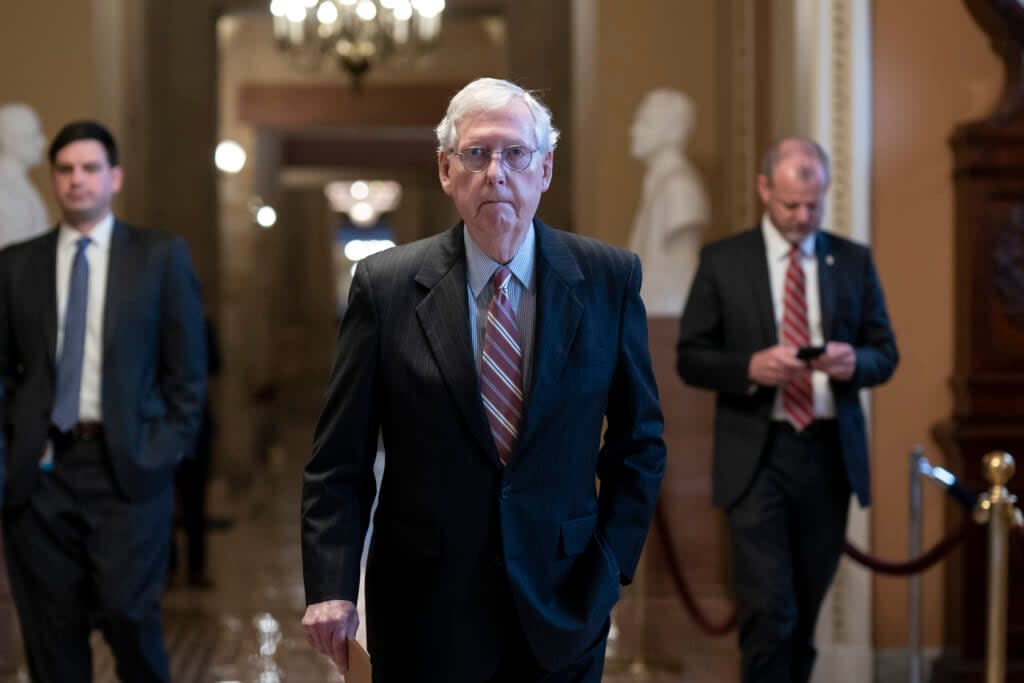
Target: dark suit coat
{"x":729,"y":315}
{"x":154,"y":358}
{"x":405,"y":365}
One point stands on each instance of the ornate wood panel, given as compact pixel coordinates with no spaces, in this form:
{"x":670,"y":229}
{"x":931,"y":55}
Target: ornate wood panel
{"x":988,"y":381}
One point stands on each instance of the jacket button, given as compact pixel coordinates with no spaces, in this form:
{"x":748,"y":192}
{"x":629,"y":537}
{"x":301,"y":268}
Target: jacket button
{"x":506,"y":492}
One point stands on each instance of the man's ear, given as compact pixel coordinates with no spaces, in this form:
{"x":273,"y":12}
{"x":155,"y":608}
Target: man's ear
{"x":547,"y":168}
{"x":444,"y":166}
{"x":764,"y":188}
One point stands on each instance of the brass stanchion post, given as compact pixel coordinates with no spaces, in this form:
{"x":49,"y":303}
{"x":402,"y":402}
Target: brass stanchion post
{"x":916,"y":531}
{"x":996,"y":508}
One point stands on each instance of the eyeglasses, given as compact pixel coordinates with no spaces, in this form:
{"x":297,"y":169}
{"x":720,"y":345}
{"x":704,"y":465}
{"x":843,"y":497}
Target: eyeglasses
{"x":475,"y":159}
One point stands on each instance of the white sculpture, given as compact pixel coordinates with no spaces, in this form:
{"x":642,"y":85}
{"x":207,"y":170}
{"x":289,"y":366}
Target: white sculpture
{"x":674,"y":208}
{"x":22,"y":212}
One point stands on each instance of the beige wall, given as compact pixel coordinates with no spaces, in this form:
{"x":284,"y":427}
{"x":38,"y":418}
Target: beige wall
{"x":927,"y":78}
{"x":669,"y":44}
{"x":60,"y":81}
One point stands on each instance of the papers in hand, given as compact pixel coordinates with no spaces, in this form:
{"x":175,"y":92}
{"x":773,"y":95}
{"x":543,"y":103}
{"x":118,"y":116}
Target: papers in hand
{"x":358,"y":664}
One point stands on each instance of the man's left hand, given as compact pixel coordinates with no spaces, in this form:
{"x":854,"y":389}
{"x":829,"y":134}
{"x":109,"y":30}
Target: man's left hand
{"x":329,"y":626}
{"x":839,"y":361}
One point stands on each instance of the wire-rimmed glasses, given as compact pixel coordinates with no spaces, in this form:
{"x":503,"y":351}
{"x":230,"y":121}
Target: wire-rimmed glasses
{"x":476,"y":159}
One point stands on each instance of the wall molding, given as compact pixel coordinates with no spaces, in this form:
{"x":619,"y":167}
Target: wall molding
{"x":830,"y":66}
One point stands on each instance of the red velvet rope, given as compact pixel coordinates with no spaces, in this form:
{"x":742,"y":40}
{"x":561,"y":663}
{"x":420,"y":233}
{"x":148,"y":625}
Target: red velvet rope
{"x":683,"y":588}
{"x":919,"y":564}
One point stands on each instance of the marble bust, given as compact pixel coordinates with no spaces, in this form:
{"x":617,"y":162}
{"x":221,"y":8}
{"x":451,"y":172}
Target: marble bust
{"x":22,"y":212}
{"x":674,"y":209}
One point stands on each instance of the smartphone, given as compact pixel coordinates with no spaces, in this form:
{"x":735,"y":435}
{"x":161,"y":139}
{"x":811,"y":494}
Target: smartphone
{"x":809,"y":352}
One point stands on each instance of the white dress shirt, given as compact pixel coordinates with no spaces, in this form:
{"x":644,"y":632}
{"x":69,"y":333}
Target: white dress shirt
{"x":777,"y":251}
{"x":97,"y":253}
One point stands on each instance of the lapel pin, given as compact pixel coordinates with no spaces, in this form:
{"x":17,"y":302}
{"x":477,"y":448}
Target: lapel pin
{"x":829,"y":260}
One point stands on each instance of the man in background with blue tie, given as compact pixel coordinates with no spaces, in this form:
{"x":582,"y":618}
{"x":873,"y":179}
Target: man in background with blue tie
{"x":787,"y":323}
{"x":487,"y":357}
{"x":103,"y":370}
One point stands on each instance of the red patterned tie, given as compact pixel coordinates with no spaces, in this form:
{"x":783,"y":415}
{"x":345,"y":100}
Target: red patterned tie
{"x":797,"y":397}
{"x":501,"y":382}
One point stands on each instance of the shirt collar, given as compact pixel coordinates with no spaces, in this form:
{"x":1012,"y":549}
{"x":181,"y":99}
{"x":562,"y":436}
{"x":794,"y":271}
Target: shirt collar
{"x":99,"y":235}
{"x":480,"y":267}
{"x":778,"y":247}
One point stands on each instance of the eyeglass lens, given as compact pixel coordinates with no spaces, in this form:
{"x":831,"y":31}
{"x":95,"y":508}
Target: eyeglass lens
{"x":476,"y":159}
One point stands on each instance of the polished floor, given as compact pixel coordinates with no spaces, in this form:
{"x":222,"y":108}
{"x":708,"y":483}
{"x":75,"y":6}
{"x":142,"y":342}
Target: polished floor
{"x":246,"y":628}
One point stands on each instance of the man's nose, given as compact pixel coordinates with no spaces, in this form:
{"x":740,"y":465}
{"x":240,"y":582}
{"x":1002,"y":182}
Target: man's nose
{"x":495,"y":168}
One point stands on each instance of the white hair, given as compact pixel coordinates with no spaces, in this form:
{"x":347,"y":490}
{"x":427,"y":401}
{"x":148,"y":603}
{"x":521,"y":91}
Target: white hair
{"x":491,"y":94}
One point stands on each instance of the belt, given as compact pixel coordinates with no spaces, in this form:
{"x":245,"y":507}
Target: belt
{"x":817,"y":427}
{"x":87,"y":430}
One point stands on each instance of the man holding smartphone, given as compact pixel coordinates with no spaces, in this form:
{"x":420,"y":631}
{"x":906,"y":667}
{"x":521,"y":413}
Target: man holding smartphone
{"x":786,"y":323}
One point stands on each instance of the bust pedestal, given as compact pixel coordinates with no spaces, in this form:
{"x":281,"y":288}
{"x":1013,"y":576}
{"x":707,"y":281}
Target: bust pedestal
{"x":668,"y":639}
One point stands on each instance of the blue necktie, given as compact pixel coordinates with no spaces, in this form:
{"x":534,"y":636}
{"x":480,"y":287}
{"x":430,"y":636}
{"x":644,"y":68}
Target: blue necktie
{"x":69,"y":368}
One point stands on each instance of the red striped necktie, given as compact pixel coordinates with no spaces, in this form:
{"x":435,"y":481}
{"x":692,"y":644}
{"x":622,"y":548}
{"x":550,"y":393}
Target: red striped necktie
{"x":797,"y":396}
{"x":501,"y":381}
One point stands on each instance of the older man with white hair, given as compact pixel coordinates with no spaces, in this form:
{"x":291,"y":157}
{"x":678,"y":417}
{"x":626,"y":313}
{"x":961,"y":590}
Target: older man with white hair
{"x":489,"y":358}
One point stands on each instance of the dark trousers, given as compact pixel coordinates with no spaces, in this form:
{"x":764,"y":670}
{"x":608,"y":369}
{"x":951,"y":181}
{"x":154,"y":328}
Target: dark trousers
{"x":79,"y":555}
{"x":190,"y":482}
{"x":788,"y":533}
{"x":518,"y":664}
{"x":501,"y":655}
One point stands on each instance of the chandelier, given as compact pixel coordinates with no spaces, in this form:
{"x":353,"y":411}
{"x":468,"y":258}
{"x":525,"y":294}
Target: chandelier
{"x":356,"y":33}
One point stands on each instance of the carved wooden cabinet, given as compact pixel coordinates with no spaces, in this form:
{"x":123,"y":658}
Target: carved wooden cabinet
{"x":988,"y":381}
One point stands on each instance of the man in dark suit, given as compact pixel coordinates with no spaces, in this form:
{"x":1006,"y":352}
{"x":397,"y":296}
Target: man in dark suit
{"x":790,"y":441}
{"x":488,"y":357}
{"x":102,"y":362}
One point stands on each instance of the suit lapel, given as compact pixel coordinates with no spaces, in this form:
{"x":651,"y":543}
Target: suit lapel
{"x":558,"y":317}
{"x":444,"y":316}
{"x":826,"y":288}
{"x":48,"y":287}
{"x":757,"y":265}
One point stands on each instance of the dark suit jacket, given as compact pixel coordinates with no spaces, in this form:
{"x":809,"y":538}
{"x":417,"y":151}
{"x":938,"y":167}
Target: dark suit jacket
{"x":154,"y":358}
{"x":405,"y":366}
{"x":729,"y":315}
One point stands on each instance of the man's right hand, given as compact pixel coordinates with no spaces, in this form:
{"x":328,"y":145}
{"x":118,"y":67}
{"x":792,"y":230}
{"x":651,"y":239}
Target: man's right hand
{"x":775,"y":366}
{"x":329,"y":626}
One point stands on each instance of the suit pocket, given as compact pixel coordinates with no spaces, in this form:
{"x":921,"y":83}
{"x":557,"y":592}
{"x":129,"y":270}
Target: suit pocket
{"x":576,"y":534}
